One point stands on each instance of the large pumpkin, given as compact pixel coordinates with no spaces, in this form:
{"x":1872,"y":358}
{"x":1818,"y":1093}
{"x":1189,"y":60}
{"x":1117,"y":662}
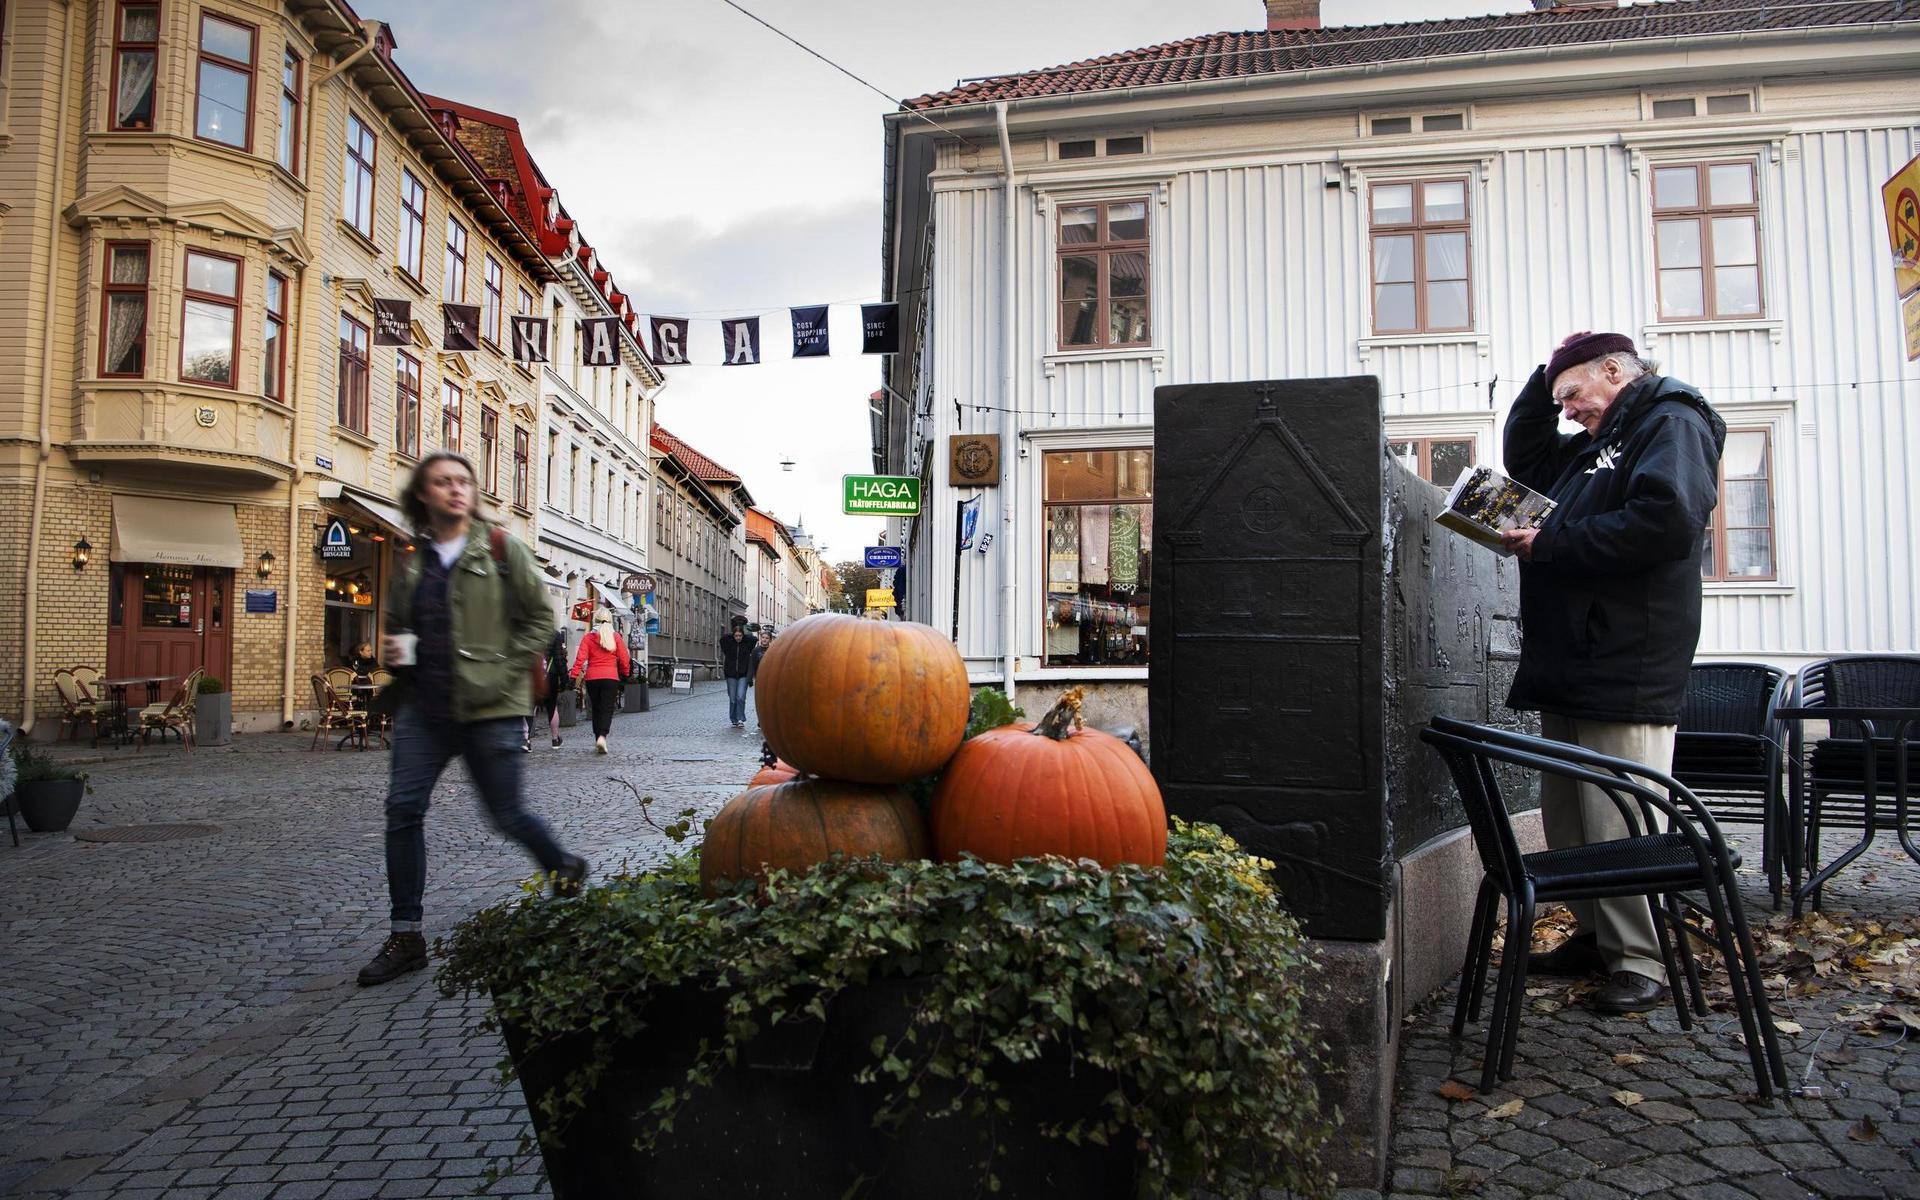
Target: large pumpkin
{"x":869,"y":701}
{"x":1023,"y":790}
{"x":803,"y":822}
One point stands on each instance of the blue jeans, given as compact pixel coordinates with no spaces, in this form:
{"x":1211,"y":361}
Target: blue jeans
{"x":421,"y":750}
{"x":737,"y":699}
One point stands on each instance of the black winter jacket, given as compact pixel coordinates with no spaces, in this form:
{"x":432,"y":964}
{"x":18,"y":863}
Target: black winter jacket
{"x":736,"y":658}
{"x":1610,"y":602}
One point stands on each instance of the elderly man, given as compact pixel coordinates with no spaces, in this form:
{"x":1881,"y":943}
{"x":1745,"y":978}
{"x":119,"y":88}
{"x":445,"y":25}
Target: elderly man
{"x":1609,"y":605}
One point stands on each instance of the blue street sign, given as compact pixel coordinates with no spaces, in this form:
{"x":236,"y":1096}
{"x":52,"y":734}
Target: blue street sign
{"x":882,"y":557}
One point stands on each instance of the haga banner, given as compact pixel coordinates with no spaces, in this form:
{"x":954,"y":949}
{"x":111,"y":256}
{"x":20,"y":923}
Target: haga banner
{"x":670,"y":341}
{"x":529,"y":339}
{"x":879,"y":329}
{"x":741,"y":337}
{"x":600,"y":342}
{"x":810,"y":331}
{"x":393,"y":323}
{"x":460,"y":326}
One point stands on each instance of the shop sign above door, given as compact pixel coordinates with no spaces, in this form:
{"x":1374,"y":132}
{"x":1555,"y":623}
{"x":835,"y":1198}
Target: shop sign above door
{"x":336,"y":542}
{"x":880,"y":495}
{"x":639,"y":583}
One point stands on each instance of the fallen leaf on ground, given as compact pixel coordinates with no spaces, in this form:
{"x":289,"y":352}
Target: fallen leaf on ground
{"x":1627,"y":1099}
{"x":1841,"y":1057}
{"x":1628,"y":1060}
{"x":1455,"y":1091}
{"x":1788,"y":1026}
{"x":1892,"y":1013}
{"x":1510,"y":1109}
{"x":1864,"y":1130}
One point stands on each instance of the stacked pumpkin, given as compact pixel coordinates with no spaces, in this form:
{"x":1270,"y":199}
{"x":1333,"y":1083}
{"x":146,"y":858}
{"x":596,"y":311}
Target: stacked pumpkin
{"x":852,"y":710}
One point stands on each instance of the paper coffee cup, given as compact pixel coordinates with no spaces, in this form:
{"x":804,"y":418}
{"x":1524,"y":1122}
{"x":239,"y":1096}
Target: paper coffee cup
{"x":403,"y":646}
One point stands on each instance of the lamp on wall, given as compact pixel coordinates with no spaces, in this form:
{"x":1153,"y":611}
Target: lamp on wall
{"x":264,"y":567}
{"x":82,"y":552}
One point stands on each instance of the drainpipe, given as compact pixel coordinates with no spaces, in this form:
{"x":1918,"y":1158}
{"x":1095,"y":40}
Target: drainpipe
{"x":29,"y":667}
{"x":1009,"y":415}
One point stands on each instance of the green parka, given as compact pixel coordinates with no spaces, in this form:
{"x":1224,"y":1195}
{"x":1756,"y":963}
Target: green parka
{"x":500,"y":626}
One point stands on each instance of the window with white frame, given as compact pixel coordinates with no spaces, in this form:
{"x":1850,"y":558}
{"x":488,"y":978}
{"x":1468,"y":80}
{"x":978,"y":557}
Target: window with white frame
{"x":1099,"y":556}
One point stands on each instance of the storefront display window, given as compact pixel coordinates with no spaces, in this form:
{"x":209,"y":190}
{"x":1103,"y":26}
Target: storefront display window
{"x":1099,"y":529}
{"x":166,"y":599}
{"x":353,"y":598}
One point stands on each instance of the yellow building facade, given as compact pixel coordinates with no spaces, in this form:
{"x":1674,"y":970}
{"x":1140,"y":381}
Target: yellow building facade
{"x":200,"y":443}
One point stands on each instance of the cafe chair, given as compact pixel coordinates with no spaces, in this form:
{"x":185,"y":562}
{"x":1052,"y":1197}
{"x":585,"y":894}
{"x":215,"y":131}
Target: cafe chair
{"x":176,"y":714}
{"x":77,"y":705}
{"x":1690,"y":857}
{"x":1729,"y":750}
{"x":335,"y":713}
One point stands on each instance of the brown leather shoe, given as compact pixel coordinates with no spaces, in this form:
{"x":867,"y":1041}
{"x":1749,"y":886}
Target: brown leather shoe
{"x":403,"y":952}
{"x":1626,"y":992}
{"x":1578,"y":956}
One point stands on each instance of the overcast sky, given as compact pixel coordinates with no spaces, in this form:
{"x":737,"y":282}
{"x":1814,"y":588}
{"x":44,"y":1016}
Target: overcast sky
{"x":720,"y":171}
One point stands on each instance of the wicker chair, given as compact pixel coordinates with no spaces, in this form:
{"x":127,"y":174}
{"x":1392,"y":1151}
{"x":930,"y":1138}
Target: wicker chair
{"x":1729,"y":748}
{"x":77,"y":704}
{"x":335,"y":713}
{"x":177,"y":714}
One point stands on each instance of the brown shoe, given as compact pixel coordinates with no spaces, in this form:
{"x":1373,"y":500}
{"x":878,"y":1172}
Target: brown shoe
{"x":1626,"y":992}
{"x":403,"y":952}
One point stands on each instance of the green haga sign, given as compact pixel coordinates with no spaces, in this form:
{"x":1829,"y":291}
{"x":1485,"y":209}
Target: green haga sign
{"x":880,"y":495}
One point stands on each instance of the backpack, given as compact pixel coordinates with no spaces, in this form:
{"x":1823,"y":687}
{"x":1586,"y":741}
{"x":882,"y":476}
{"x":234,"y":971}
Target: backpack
{"x":537,"y":674}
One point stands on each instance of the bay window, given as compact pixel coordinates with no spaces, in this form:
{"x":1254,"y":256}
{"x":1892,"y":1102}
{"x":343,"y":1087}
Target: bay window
{"x":286,"y":150}
{"x":223,"y":98}
{"x":210,"y":319}
{"x":136,"y":61}
{"x":273,"y":356}
{"x":123,"y":323}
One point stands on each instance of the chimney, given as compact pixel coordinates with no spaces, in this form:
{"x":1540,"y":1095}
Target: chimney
{"x":1293,"y":14}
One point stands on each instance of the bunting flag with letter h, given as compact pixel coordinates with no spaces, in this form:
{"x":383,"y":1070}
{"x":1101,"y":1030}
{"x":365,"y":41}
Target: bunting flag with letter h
{"x":529,"y":339}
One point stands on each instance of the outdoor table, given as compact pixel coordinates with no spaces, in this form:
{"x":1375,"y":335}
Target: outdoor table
{"x":1882,"y":727}
{"x":362,"y":693}
{"x":117,"y":688}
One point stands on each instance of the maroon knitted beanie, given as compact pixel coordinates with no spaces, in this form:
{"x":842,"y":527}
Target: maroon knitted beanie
{"x":1584,"y":347}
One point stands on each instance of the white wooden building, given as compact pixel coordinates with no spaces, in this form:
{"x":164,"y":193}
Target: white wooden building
{"x":1436,"y":204}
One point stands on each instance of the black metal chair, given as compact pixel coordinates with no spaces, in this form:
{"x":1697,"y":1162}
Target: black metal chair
{"x":1690,"y":856}
{"x":1728,"y":750}
{"x":1838,"y":784}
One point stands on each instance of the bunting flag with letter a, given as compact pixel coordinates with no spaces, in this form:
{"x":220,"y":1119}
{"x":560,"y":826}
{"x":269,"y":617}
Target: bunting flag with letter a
{"x":741,"y":337}
{"x":880,"y":328}
{"x":810,"y":331}
{"x":529,"y":339}
{"x":600,"y":342}
{"x":670,"y":341}
{"x":393,"y":323}
{"x":460,"y":326}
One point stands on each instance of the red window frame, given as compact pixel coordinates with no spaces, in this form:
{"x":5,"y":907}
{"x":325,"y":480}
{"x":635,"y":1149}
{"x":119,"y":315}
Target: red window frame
{"x":249,"y":68}
{"x":229,"y":302}
{"x":1103,"y":248}
{"x":351,"y":407}
{"x":453,"y":282}
{"x":273,"y":347}
{"x":362,"y":167}
{"x":490,"y":450}
{"x":453,"y":402}
{"x":1703,"y":213}
{"x":522,"y":461}
{"x":1419,"y":228}
{"x":413,"y":225}
{"x":121,"y":48}
{"x":286,"y":148}
{"x":494,"y":281}
{"x":109,"y":289}
{"x":406,"y":404}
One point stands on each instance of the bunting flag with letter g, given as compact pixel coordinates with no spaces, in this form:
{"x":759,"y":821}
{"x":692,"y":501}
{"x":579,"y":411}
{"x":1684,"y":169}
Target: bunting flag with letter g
{"x":741,"y":337}
{"x":880,"y":328}
{"x":669,"y":341}
{"x":529,"y":339}
{"x":600,"y":342}
{"x":393,"y":323}
{"x":810,"y":331}
{"x":460,"y":326}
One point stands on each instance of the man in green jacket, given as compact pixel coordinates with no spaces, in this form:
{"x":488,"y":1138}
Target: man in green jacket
{"x":466,"y":618}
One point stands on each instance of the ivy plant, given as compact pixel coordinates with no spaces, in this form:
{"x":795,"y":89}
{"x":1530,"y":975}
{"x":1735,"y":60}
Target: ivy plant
{"x":1185,"y":983}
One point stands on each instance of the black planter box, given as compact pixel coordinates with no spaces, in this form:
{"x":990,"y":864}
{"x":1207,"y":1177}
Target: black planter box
{"x":788,"y":1122}
{"x":48,"y":805}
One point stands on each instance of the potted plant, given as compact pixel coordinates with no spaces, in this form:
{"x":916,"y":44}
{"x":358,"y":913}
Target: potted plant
{"x":213,"y":713}
{"x":45,"y":793}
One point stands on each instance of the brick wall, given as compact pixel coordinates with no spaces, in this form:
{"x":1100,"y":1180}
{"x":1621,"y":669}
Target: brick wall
{"x":71,"y":625}
{"x":15,"y":504}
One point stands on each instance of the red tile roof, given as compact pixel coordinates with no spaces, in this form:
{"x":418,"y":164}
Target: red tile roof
{"x":699,"y":465}
{"x":1273,"y":52}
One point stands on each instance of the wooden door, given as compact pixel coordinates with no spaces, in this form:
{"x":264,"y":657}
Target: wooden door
{"x":173,"y":620}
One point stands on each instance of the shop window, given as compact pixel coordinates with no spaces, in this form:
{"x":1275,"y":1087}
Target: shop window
{"x":166,"y":596}
{"x":1102,"y":260}
{"x":1741,"y":530}
{"x":454,"y":277}
{"x":351,"y":598}
{"x":351,"y":410}
{"x":223,"y":99}
{"x":1706,"y":231}
{"x":1099,"y":529}
{"x":1421,"y":279}
{"x":136,"y":58}
{"x":286,"y":150}
{"x":406,"y":404}
{"x":452,"y":403}
{"x":1439,"y":461}
{"x":495,"y":285}
{"x":273,"y":351}
{"x":522,"y":451}
{"x":489,"y":451}
{"x":123,"y":324}
{"x":413,"y":225}
{"x":210,"y":319}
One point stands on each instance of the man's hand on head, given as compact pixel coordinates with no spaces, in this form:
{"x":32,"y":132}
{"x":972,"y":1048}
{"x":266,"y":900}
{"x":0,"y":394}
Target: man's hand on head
{"x":1520,"y":541}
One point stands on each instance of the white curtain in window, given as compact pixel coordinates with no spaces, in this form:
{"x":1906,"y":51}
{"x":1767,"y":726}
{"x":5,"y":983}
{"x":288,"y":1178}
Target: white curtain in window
{"x":126,"y":319}
{"x":135,"y":101}
{"x":1446,"y":256}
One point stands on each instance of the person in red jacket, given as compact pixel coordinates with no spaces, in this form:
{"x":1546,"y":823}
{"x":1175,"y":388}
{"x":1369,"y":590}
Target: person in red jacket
{"x":603,"y":662}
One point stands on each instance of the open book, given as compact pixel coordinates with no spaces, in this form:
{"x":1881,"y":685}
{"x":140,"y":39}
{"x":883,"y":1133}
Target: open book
{"x":1484,"y":504}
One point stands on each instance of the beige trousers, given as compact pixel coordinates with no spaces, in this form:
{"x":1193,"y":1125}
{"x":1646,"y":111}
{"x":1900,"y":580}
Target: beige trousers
{"x":1576,"y":814}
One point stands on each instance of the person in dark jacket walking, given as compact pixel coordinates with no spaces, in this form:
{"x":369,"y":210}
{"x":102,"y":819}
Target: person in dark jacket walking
{"x":1609,"y":605}
{"x":736,"y":664}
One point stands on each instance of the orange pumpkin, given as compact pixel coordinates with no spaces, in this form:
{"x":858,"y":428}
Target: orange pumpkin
{"x":773,"y":772}
{"x":868,"y":701}
{"x":803,"y":822}
{"x":1023,"y":790}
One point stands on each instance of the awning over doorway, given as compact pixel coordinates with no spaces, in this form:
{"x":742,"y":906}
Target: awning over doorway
{"x":611,"y":598}
{"x":378,"y":510}
{"x":191,"y":533}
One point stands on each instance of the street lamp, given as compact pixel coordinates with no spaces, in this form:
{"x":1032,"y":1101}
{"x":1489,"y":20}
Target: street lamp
{"x":786,"y":464}
{"x":264,"y":567}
